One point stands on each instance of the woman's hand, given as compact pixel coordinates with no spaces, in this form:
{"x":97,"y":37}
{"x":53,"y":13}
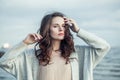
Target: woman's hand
{"x":32,"y":38}
{"x":73,"y":25}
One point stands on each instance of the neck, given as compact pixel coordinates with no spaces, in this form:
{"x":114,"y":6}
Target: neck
{"x":56,"y":44}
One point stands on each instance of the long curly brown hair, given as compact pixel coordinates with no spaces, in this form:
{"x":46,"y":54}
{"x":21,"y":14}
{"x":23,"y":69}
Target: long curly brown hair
{"x":45,"y":45}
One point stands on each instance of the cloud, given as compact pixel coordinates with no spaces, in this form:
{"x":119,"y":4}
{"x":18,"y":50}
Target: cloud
{"x":32,"y":4}
{"x":102,"y":24}
{"x":90,"y":12}
{"x":97,"y":15}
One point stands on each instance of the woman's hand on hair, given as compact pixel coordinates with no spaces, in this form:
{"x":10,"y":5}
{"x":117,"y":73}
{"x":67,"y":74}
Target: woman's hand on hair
{"x":32,"y":38}
{"x":73,"y":25}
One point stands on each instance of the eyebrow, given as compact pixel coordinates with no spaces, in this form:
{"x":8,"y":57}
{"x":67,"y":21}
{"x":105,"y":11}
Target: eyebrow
{"x":58,"y":24}
{"x":55,"y":24}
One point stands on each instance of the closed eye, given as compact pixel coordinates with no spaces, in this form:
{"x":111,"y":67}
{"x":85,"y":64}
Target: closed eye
{"x":55,"y":26}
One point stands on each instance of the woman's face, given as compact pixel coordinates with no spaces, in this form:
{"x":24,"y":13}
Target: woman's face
{"x":57,"y":29}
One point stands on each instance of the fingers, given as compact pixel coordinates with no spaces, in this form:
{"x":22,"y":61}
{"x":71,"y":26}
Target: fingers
{"x":68,"y":21}
{"x":36,"y":36}
{"x":72,"y":24}
{"x":32,"y":38}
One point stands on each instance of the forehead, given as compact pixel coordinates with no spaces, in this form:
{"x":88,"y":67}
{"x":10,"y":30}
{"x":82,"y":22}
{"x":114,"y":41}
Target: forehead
{"x":57,"y":20}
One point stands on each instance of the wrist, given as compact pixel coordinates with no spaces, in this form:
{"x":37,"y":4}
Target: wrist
{"x":77,"y":30}
{"x":25,"y":42}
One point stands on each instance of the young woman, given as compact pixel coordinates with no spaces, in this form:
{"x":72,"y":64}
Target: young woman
{"x":55,"y":57}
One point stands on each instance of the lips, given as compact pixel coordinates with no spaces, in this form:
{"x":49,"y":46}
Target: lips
{"x":61,"y":34}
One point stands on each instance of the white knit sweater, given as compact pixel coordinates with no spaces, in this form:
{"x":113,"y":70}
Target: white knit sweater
{"x":23,"y":65}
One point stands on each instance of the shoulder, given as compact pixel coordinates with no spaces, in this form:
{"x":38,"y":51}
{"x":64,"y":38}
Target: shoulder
{"x":79,"y":50}
{"x":83,"y":50}
{"x":29,"y":56}
{"x":82,"y":47}
{"x":28,"y":53}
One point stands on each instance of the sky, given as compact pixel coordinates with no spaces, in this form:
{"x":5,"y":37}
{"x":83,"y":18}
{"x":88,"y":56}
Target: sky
{"x":20,"y":17}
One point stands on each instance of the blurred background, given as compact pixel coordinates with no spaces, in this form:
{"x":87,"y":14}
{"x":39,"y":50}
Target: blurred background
{"x":20,"y":17}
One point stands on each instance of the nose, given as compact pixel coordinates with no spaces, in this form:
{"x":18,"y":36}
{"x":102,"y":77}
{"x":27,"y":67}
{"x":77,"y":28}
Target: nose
{"x":61,"y":28}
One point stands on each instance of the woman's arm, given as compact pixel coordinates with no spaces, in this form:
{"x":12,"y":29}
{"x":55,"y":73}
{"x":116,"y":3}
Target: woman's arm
{"x":11,"y":58}
{"x":17,"y":49}
{"x":93,"y":40}
{"x":13,"y":52}
{"x":97,"y":46}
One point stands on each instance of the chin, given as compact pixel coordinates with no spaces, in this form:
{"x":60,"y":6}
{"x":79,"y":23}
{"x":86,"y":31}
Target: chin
{"x":60,"y":39}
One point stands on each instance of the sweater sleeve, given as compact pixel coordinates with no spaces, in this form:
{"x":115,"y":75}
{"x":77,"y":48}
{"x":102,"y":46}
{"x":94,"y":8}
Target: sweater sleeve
{"x":8,"y":60}
{"x":97,"y":46}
